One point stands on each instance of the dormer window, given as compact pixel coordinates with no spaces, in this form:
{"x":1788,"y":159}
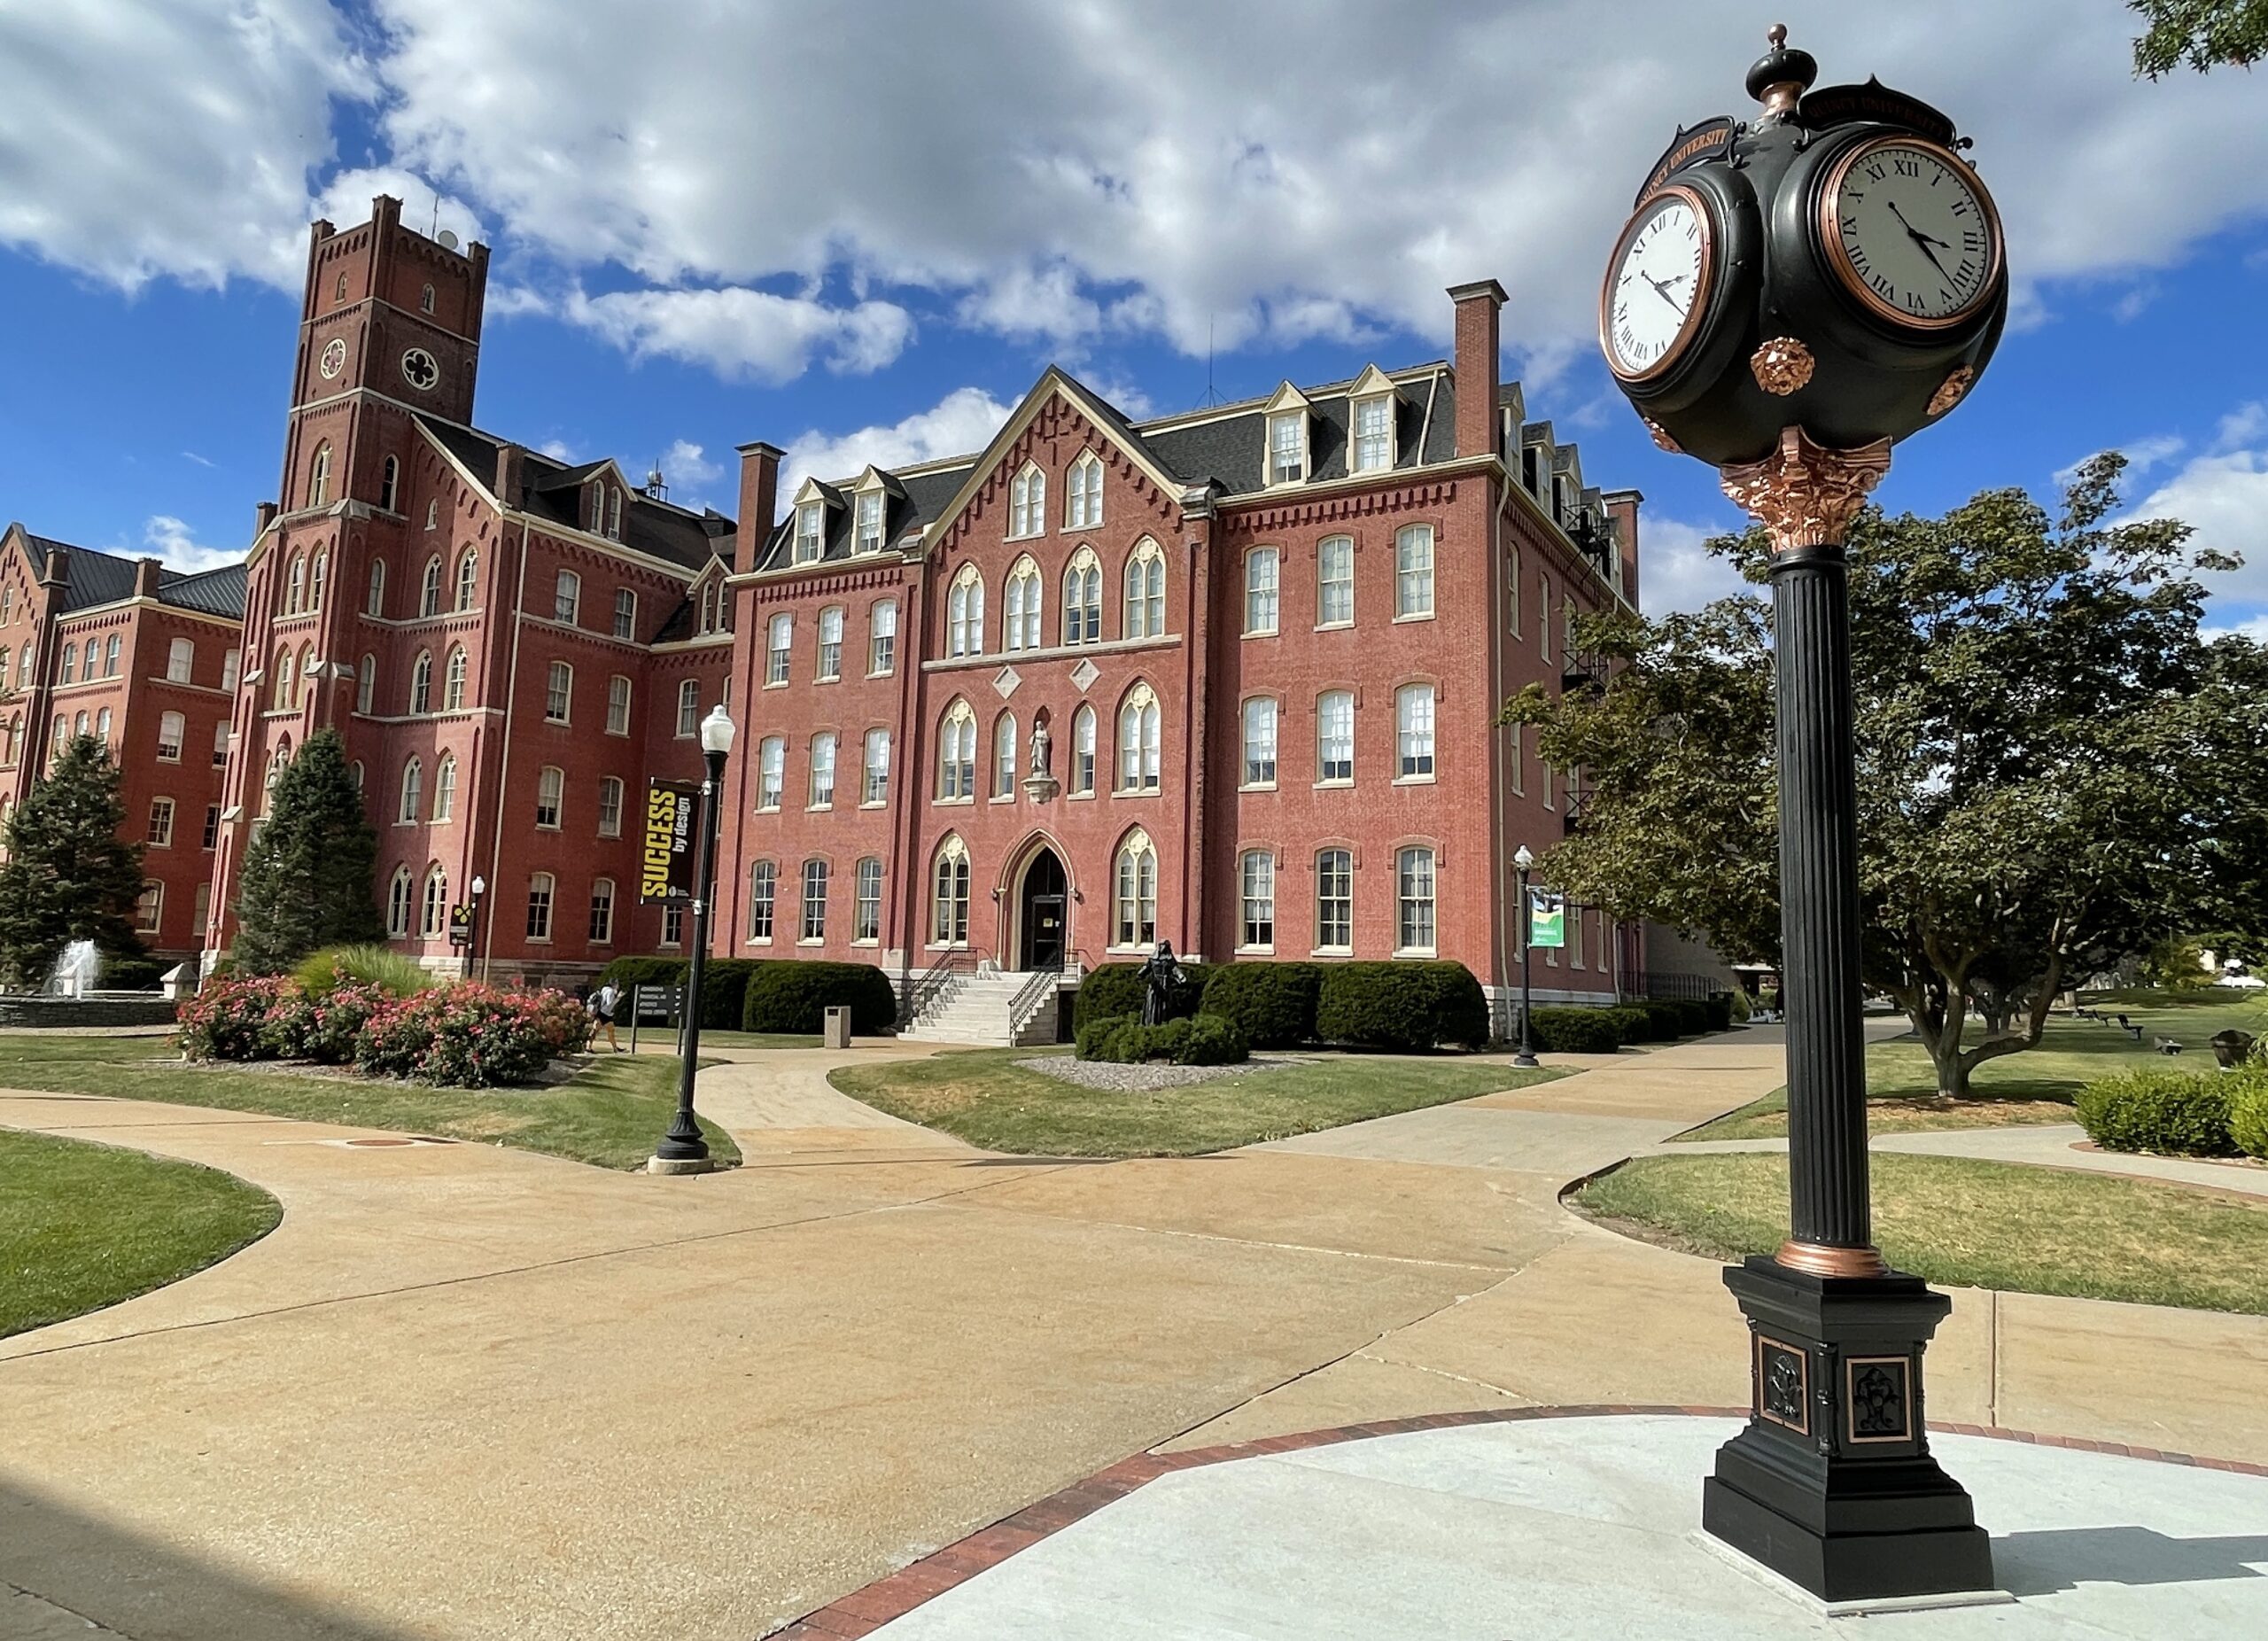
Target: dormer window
{"x":614,"y":517}
{"x":1028,"y":503}
{"x":1287,"y":448}
{"x":811,"y":535}
{"x":1373,"y":447}
{"x":870,"y":522}
{"x":598,"y":508}
{"x":1083,"y":505}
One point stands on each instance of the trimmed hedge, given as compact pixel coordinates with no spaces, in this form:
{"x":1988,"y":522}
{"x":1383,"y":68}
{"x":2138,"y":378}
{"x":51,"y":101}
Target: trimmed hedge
{"x":1404,"y":1005}
{"x":1087,"y":1041}
{"x":2176,"y":1113}
{"x":794,"y":995}
{"x":1273,"y":1004}
{"x":724,"y":992}
{"x":1193,"y":1040}
{"x":1111,"y":989}
{"x":134,"y":974}
{"x":2248,"y":1111}
{"x":1632,"y":1024}
{"x":1576,"y":1031}
{"x":635,"y":971}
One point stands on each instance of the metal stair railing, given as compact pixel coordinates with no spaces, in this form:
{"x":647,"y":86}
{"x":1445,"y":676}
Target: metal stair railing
{"x":931,"y":981}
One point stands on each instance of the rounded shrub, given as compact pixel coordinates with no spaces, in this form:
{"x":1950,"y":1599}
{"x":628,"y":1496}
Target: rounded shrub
{"x":2248,"y":1092}
{"x":134,"y":974}
{"x":1576,"y":1031}
{"x":1119,"y":989}
{"x":1272,"y":1004}
{"x":1087,"y":1042}
{"x":1634,"y":1022}
{"x":2179,"y":1114}
{"x":1213,"y":1040}
{"x":793,"y":995}
{"x":724,"y":992}
{"x":362,"y":965}
{"x":1193,"y":1040}
{"x":1401,"y":1006}
{"x":227,"y":1020}
{"x":626,"y":972}
{"x":1719,"y":1006}
{"x":467,"y":1035}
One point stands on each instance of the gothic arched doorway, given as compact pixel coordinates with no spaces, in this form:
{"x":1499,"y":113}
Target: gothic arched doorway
{"x":1042,"y":913}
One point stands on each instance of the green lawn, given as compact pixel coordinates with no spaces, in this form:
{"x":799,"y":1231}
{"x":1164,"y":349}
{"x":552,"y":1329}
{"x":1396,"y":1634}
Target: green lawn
{"x":83,"y":1225}
{"x":985,"y":1097}
{"x":2036,"y":1086}
{"x":1972,"y":1224}
{"x":610,"y":1115}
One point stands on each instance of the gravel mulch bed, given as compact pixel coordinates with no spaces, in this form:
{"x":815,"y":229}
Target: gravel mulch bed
{"x":1143,"y":1079}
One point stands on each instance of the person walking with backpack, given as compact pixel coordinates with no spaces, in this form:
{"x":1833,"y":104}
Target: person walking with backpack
{"x":605,"y":1003}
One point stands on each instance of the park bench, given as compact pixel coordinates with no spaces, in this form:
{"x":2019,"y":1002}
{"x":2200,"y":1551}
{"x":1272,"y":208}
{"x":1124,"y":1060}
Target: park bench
{"x":2166,"y":1045}
{"x":2087,"y":1014}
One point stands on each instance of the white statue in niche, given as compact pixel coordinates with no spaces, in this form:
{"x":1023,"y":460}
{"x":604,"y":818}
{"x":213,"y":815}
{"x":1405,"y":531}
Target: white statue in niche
{"x":1040,"y":742}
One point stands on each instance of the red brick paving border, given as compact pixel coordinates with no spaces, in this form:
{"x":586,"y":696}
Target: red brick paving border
{"x":864,"y":1611}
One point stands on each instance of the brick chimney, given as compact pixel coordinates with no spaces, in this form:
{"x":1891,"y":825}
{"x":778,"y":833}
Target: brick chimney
{"x":57,"y":571}
{"x":145,"y":578}
{"x":759,"y":501}
{"x":1623,"y":508}
{"x":1477,"y":344}
{"x":263,"y":515}
{"x":510,"y":463}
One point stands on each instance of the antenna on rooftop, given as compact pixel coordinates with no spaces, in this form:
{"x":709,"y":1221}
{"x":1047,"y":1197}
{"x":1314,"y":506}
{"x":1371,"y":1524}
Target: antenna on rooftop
{"x":656,"y":486}
{"x":1211,"y":396}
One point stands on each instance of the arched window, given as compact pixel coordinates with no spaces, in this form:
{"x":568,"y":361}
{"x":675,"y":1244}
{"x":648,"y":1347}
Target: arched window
{"x":875,"y":785}
{"x":771,"y":772}
{"x":830,"y":643}
{"x":101,"y":725}
{"x":319,"y":477}
{"x":16,"y":739}
{"x":413,"y":793}
{"x":180,"y":660}
{"x":625,"y":612}
{"x":866,"y":903}
{"x":822,"y":787}
{"x":4,"y":653}
{"x":307,"y":674}
{"x":1137,"y":741}
{"x":375,"y":603}
{"x":339,"y":291}
{"x":79,"y":726}
{"x":949,"y":894}
{"x":390,"y":481}
{"x":601,"y":925}
{"x":437,"y":903}
{"x":1146,"y":591}
{"x":1135,"y":923}
{"x":24,"y":664}
{"x":70,"y":663}
{"x":421,"y":684}
{"x":964,"y":614}
{"x":1413,"y":870}
{"x":688,"y":708}
{"x":1334,"y":596}
{"x":453,"y":681}
{"x":445,"y":788}
{"x":429,"y":591}
{"x":1413,"y":730}
{"x":286,"y":677}
{"x":295,"y":599}
{"x":425,"y":300}
{"x":957,"y":754}
{"x":1083,"y":751}
{"x":779,"y":645}
{"x":1260,"y":589}
{"x":1334,"y":900}
{"x":1260,"y":742}
{"x":815,"y":876}
{"x":433,"y":513}
{"x":541,"y":887}
{"x":1334,"y":736}
{"x":763,"y":895}
{"x":567,"y":598}
{"x":1021,"y":602}
{"x":558,"y":693}
{"x":614,"y":517}
{"x":617,"y":705}
{"x":1413,"y":570}
{"x":881,"y":638}
{"x":468,"y":577}
{"x":172,"y":729}
{"x":401,"y":896}
{"x":610,"y":806}
{"x":1028,"y":502}
{"x":1256,"y":879}
{"x":550,"y":796}
{"x":1082,"y":598}
{"x":354,"y":774}
{"x":366,"y":685}
{"x":1004,"y":756}
{"x":1083,"y":503}
{"x":315,"y":577}
{"x":109,"y":664}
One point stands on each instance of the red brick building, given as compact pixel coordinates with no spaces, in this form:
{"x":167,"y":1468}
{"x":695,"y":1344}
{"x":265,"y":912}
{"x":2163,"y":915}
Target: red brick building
{"x":145,"y":658}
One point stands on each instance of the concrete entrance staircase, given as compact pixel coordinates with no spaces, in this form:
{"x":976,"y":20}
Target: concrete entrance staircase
{"x":976,"y":1009}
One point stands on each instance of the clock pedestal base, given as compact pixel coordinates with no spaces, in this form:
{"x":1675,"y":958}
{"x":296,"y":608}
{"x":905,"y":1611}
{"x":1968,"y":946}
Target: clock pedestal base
{"x":1832,"y":1485}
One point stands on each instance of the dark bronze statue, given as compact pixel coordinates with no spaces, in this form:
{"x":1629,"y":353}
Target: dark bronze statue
{"x":1162,"y":974}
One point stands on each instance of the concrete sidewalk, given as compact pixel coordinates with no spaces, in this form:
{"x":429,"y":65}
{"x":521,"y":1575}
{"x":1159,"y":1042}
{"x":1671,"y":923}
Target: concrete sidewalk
{"x":2040,"y":1144}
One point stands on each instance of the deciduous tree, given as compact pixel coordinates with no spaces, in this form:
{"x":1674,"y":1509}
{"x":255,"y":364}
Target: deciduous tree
{"x":2204,"y":33}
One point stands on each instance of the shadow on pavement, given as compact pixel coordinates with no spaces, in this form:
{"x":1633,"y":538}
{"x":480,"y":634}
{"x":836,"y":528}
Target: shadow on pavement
{"x":2042,"y":1563}
{"x":124,"y":1582}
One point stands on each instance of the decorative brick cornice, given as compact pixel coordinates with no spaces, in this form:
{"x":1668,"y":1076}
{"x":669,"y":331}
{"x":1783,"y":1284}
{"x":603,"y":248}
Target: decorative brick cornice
{"x":1290,"y":513}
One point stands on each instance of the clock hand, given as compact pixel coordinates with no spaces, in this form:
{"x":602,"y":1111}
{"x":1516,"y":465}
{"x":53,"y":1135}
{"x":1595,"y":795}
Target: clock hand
{"x":1915,"y":234}
{"x":1661,"y":289}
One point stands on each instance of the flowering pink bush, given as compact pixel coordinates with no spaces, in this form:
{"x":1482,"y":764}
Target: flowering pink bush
{"x":463,"y":1035}
{"x":227,"y":1020}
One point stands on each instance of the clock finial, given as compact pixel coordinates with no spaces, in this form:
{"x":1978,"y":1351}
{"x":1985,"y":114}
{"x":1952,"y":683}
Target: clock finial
{"x":1781,"y":76}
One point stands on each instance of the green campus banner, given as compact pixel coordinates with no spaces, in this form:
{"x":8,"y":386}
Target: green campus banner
{"x":1547,"y":918}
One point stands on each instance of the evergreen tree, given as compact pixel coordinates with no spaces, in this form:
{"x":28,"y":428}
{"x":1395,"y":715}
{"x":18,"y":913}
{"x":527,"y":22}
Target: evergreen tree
{"x":307,"y":876}
{"x":68,"y":876}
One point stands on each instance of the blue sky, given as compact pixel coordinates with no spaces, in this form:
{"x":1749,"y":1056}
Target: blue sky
{"x":862,"y":230}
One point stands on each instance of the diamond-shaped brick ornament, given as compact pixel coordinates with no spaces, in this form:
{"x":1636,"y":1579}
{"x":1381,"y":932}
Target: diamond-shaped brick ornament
{"x":1084,"y":674}
{"x":1005,"y":681}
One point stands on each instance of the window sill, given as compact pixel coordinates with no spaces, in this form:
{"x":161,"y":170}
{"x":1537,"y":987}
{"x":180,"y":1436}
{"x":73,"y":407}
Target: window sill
{"x":1265,"y":631}
{"x":1258,"y":786}
{"x":1001,"y":797}
{"x":876,"y":803}
{"x":808,"y":940}
{"x":540,"y":827}
{"x":1414,"y":779}
{"x":886,"y":672}
{"x":875,"y":941}
{"x":776,"y":684}
{"x":1078,"y":798}
{"x":954,"y":803}
{"x":624,"y":734}
{"x":757,"y":940}
{"x":1421,"y":953}
{"x":1255,"y":951}
{"x":1334,"y":627}
{"x":612,"y":837}
{"x":818,"y":809}
{"x":1137,"y":791}
{"x":1331,"y":951}
{"x":538,"y":940}
{"x":1422,"y":615}
{"x":828,"y":677}
{"x":1335,"y":784}
{"x":556,"y":723}
{"x":767,"y":809}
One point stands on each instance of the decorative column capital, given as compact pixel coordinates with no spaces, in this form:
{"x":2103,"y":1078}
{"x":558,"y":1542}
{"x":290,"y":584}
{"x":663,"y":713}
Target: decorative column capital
{"x":1804,"y":494}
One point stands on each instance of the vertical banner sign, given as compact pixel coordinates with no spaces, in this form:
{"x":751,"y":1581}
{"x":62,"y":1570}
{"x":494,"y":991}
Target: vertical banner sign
{"x":665,"y":862}
{"x":1547,"y":918}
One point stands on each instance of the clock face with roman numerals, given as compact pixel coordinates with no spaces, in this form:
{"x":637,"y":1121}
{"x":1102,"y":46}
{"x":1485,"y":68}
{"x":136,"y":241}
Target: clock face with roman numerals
{"x":1911,"y":232}
{"x":1657,"y":285}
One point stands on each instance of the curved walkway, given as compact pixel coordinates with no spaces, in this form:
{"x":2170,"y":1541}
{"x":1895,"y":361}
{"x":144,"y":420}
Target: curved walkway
{"x":2040,"y":1145}
{"x":469,"y":1392}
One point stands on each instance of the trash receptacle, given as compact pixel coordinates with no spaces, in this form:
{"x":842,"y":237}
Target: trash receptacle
{"x":838,"y":1028}
{"x":2230,"y":1047}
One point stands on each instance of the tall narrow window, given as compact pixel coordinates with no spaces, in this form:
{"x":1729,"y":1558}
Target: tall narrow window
{"x":375,"y":603}
{"x":413,"y":794}
{"x":550,"y":795}
{"x":763,"y":892}
{"x":150,"y":909}
{"x":964,"y":614}
{"x":401,"y":895}
{"x":444,"y":788}
{"x":814,"y":927}
{"x":1414,"y":875}
{"x":778,"y":642}
{"x":601,"y":924}
{"x":822,"y":786}
{"x":810,"y":532}
{"x":866,"y":913}
{"x":433,"y":513}
{"x":1083,"y":486}
{"x":1137,"y":898}
{"x":1259,"y":590}
{"x":307,"y":674}
{"x":617,"y":705}
{"x":366,"y":685}
{"x":429,"y":589}
{"x":881,"y":638}
{"x":212,"y":837}
{"x":67,"y":666}
{"x":672,"y":924}
{"x":626,"y":613}
{"x":1413,"y":570}
{"x":221,"y":733}
{"x":1146,"y":591}
{"x":541,"y":886}
{"x":830,"y":644}
{"x":161,"y":832}
{"x":319,"y":478}
{"x":614,"y":517}
{"x":1028,"y":502}
{"x":180,"y":660}
{"x":558,"y":692}
{"x":468,"y":579}
{"x":567,"y":598}
{"x":1083,"y":751}
{"x":109,"y":664}
{"x":1257,"y":871}
{"x":1137,"y":742}
{"x":287,"y":676}
{"x":688,"y":709}
{"x":1413,"y":728}
{"x":874,"y":786}
{"x":771,"y":772}
{"x":231,"y":664}
{"x":870,"y":522}
{"x":957,"y":753}
{"x":452,"y":675}
{"x":1287,"y":448}
{"x":295,"y":598}
{"x":389,"y":484}
{"x":1374,"y":443}
{"x":610,"y":806}
{"x":1022,"y":603}
{"x":1004,"y":756}
{"x":425,"y":300}
{"x":317,"y":573}
{"x":949,"y":895}
{"x":1334,"y":595}
{"x":1334,"y":736}
{"x":1334,"y":900}
{"x":1260,"y":742}
{"x":708,"y":605}
{"x":102,"y":727}
{"x":1082,"y":598}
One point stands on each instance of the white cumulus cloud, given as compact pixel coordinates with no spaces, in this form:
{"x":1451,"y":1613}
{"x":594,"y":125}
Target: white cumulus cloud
{"x":170,"y":538}
{"x":741,"y":333}
{"x":961,"y":423}
{"x":1675,"y":569}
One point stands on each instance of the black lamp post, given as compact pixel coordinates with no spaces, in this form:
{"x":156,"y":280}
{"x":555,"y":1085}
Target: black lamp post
{"x":683,"y":1144}
{"x":473,"y":891}
{"x":1792,"y":294}
{"x":1522,"y":860}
